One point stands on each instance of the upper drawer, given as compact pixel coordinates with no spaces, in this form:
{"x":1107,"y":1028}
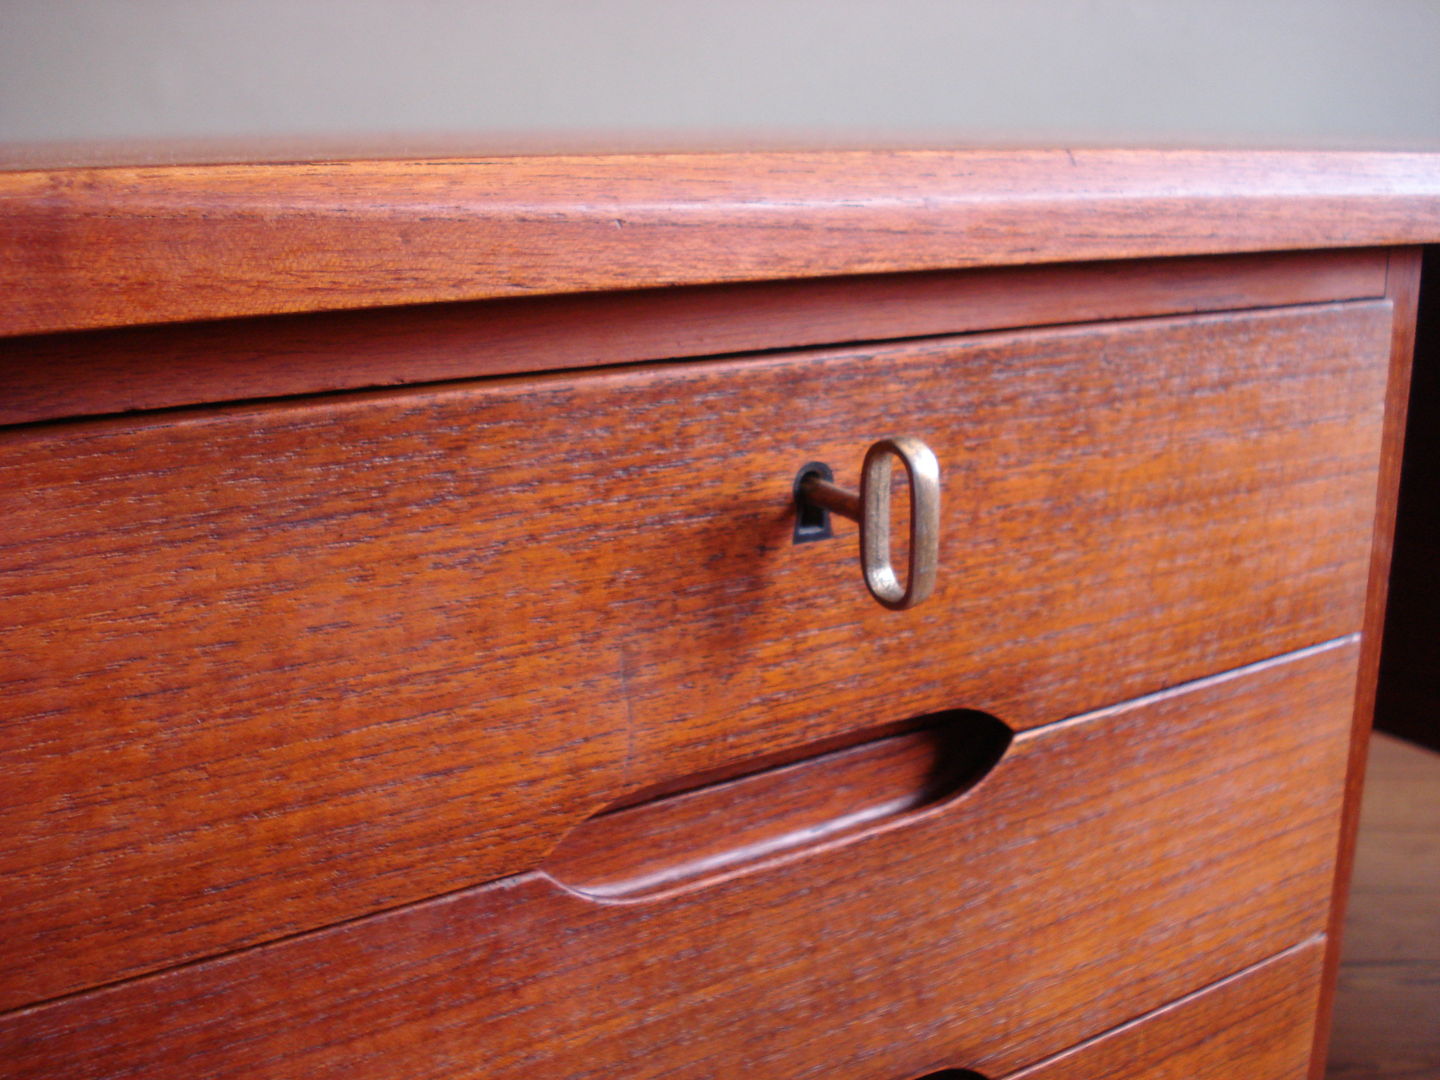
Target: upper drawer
{"x":271,"y":667}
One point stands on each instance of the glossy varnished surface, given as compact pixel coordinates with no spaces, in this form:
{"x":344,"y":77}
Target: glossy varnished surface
{"x":83,"y":248}
{"x":272,"y":667}
{"x":1106,"y":866}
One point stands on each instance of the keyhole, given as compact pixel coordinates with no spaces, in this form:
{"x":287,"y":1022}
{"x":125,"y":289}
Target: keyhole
{"x":811,"y":522}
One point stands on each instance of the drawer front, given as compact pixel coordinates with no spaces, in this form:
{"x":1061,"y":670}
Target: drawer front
{"x":1258,"y":1025}
{"x":1104,"y":867}
{"x":272,"y":667}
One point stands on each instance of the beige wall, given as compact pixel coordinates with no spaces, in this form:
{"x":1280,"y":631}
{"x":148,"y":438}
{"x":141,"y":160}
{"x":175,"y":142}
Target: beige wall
{"x":1266,"y":71}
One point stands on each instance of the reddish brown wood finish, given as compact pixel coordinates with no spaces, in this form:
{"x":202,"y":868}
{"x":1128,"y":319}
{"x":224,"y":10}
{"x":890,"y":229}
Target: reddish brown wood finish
{"x":1105,"y":867}
{"x":642,"y":850}
{"x":1403,"y":287}
{"x":154,"y":367}
{"x":1254,"y":1026}
{"x":84,"y":248}
{"x":272,"y":667}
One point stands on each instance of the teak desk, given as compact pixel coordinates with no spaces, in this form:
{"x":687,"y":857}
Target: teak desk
{"x":423,"y":654}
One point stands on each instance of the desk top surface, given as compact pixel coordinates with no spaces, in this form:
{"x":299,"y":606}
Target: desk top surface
{"x":97,"y":244}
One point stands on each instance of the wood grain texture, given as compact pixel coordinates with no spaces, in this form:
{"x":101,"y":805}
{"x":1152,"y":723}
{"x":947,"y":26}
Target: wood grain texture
{"x":1253,"y":1026}
{"x":655,"y":846}
{"x":1403,"y":289}
{"x":271,"y":667}
{"x":1106,"y":866}
{"x":86,"y":248}
{"x":114,"y":371}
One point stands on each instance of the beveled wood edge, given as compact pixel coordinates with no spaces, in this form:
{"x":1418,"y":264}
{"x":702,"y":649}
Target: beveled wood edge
{"x":94,"y":247}
{"x":1402,"y":287}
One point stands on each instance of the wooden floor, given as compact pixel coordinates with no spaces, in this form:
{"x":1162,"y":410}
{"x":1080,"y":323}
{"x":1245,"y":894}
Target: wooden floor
{"x":1387,"y":1011}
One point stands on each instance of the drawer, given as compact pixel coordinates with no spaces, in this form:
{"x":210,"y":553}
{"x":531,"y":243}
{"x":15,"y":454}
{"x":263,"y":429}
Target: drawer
{"x":1105,"y":866}
{"x":1258,"y":1025}
{"x":271,"y":667}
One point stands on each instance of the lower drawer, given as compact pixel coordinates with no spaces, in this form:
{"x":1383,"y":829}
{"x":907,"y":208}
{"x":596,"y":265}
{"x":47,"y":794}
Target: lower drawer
{"x":1104,"y":866}
{"x":1258,"y":1025}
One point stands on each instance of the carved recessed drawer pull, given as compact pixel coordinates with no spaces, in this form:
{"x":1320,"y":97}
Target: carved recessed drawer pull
{"x":870,"y":507}
{"x":649,"y":845}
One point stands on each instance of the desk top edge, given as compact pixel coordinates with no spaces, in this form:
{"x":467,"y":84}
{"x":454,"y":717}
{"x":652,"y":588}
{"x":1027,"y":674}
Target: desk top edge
{"x":91,"y":247}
